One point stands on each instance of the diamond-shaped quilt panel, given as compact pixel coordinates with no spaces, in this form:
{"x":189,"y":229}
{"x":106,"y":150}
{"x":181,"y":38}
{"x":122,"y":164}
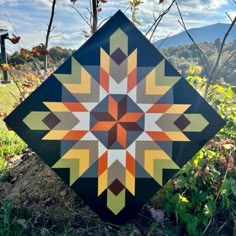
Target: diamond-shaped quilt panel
{"x":116,"y":121}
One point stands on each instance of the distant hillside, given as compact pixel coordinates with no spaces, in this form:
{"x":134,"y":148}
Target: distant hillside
{"x":181,"y":57}
{"x":203,"y":34}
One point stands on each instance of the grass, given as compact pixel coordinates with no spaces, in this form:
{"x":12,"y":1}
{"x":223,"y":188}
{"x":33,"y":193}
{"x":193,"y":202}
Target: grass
{"x":7,"y":99}
{"x":14,"y":220}
{"x":10,"y":143}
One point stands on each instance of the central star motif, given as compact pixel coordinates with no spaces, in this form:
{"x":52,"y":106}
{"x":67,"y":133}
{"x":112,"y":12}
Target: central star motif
{"x":117,"y":121}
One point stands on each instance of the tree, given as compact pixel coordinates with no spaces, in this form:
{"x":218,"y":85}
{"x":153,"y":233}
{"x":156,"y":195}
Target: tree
{"x":211,"y":69}
{"x":49,"y":30}
{"x":96,"y":7}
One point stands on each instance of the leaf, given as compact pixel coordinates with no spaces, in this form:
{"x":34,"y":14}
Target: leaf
{"x":229,"y":92}
{"x":191,"y":222}
{"x":202,"y":196}
{"x":180,"y":182}
{"x":6,"y":66}
{"x":25,"y":52}
{"x":228,"y":146}
{"x":233,"y":188}
{"x":39,"y":50}
{"x":225,"y":187}
{"x":211,"y":207}
{"x":192,"y":226}
{"x":233,"y":185}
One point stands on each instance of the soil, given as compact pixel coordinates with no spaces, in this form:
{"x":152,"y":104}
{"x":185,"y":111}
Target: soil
{"x":31,"y":184}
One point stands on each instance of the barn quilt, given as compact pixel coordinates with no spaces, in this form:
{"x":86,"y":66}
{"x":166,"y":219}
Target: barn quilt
{"x":116,"y":121}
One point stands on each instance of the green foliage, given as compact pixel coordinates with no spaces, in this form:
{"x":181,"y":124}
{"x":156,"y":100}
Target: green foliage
{"x":14,"y":220}
{"x":10,"y":144}
{"x":18,"y":220}
{"x":221,"y":97}
{"x":3,"y":167}
{"x":7,"y":100}
{"x":204,"y":193}
{"x":204,"y":196}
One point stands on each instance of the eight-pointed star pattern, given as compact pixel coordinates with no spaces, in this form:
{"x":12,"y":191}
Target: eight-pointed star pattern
{"x":120,"y":117}
{"x":116,"y":121}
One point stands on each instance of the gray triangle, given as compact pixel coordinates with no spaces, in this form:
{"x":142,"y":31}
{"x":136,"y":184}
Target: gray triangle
{"x":132,"y":136}
{"x":143,"y":72}
{"x":102,"y":136}
{"x":168,"y":98}
{"x":166,"y":146}
{"x":140,"y":172}
{"x":94,"y":71}
{"x":66,"y":95}
{"x":92,"y":171}
{"x":66,"y":145}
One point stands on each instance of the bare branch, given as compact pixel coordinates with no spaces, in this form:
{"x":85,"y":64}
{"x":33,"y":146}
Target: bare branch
{"x":164,"y":40}
{"x":202,"y":56}
{"x":102,"y":21}
{"x":222,"y":46}
{"x":85,"y":20}
{"x":200,"y":52}
{"x":126,"y":9}
{"x":158,"y":20}
{"x":53,"y":27}
{"x":57,"y":35}
{"x":229,"y":16}
{"x":50,"y":23}
{"x":226,"y":61}
{"x":17,"y":85}
{"x":219,"y":56}
{"x":17,"y":100}
{"x":89,"y":10}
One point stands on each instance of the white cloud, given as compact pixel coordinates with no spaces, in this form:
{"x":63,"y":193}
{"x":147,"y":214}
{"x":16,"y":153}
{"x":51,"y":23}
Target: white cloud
{"x":4,"y":25}
{"x":42,"y":3}
{"x":232,"y":14}
{"x":30,"y":18}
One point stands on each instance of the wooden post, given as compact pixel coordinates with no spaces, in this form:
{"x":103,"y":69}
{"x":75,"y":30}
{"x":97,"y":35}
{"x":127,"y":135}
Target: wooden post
{"x":4,"y":57}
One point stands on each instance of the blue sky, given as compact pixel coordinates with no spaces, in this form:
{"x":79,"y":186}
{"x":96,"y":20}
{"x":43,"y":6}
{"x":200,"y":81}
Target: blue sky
{"x":29,"y":18}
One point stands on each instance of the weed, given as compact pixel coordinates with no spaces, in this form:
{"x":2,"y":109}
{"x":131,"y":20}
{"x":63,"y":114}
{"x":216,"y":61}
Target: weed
{"x":10,"y":144}
{"x":204,"y":194}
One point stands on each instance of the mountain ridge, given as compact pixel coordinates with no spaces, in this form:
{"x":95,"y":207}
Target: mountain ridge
{"x":207,"y":33}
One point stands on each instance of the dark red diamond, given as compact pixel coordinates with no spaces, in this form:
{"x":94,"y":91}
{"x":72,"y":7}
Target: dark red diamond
{"x":51,"y":120}
{"x":182,"y":122}
{"x":118,"y":56}
{"x":116,"y":187}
